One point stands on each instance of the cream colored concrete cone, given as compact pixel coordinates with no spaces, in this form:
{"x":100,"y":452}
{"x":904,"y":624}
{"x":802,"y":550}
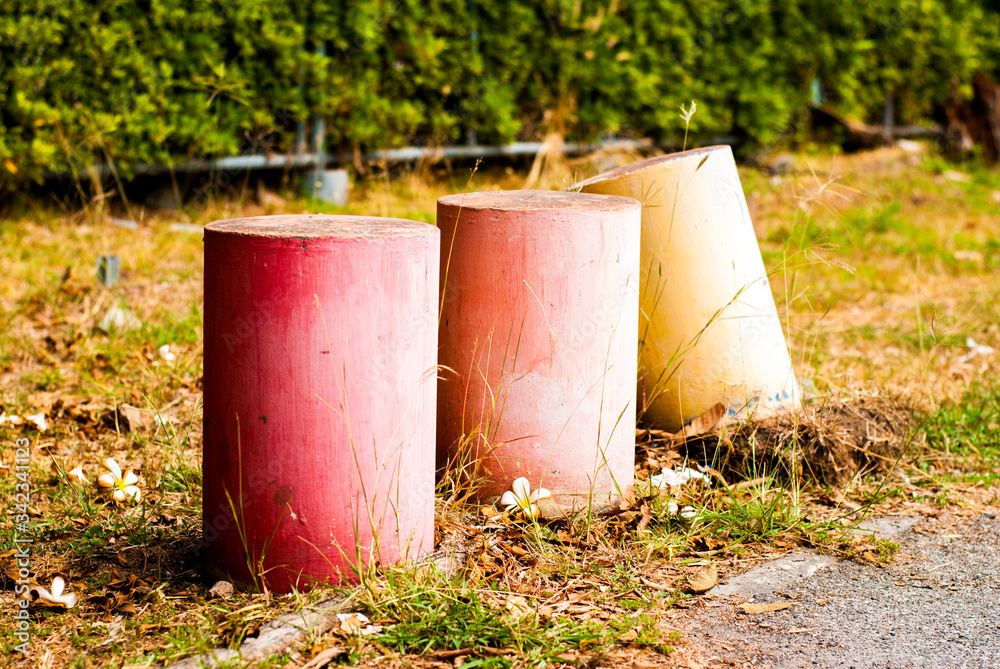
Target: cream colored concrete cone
{"x":709,"y":332}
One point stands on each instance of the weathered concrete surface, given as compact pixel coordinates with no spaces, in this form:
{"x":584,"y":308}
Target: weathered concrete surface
{"x":937,"y":605}
{"x":792,"y":570}
{"x":775,"y":577}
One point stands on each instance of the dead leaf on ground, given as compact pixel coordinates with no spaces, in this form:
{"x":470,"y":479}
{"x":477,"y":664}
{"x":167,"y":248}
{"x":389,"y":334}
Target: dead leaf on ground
{"x":699,"y":426}
{"x":325,"y":657}
{"x":704,"y":579}
{"x":704,"y":423}
{"x":646,"y":518}
{"x":573,"y":599}
{"x":355,"y":623}
{"x":114,"y":602}
{"x":517,"y":606}
{"x":128,"y":418}
{"x":751,"y":608}
{"x":654,"y":585}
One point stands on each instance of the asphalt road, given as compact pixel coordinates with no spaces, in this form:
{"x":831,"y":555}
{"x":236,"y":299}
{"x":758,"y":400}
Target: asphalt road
{"x":937,"y":605}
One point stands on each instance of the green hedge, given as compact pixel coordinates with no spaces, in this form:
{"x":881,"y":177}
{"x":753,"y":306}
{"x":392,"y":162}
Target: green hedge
{"x":161,"y":81}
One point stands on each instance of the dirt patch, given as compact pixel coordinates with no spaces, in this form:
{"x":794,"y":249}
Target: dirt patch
{"x":828,"y":443}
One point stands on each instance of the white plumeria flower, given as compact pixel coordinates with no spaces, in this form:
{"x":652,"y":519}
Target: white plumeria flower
{"x":520,"y":496}
{"x":56,"y":597}
{"x":39,"y":420}
{"x":76,"y":475}
{"x":689,"y":512}
{"x":677,"y":476}
{"x":686,"y":512}
{"x":166,"y":354}
{"x":117,"y":487}
{"x":975,"y":349}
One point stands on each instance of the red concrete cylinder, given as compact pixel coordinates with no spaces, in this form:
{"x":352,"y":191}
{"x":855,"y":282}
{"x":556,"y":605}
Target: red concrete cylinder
{"x":538,"y":328}
{"x":319,"y":380}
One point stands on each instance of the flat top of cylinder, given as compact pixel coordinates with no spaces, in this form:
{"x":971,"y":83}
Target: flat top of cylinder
{"x":643,"y":164}
{"x":539,"y":199}
{"x":313,"y":226}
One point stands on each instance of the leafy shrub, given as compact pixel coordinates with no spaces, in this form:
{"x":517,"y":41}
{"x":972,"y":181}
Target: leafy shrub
{"x":162,"y":81}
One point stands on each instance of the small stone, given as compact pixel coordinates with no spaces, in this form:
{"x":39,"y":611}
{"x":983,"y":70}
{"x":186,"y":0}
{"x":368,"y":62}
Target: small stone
{"x":911,"y":147}
{"x":124,"y":223}
{"x":222,"y":590}
{"x":961,"y":177}
{"x":968,"y":256}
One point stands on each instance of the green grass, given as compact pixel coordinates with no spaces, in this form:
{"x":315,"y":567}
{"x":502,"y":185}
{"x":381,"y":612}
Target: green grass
{"x":967,"y":433}
{"x":425,"y":612}
{"x":765,"y":515}
{"x":969,"y":425}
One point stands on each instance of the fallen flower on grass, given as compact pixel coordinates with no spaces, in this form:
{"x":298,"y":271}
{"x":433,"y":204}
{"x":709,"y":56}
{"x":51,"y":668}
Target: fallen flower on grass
{"x":975,"y":350}
{"x":520,"y":496}
{"x":119,"y":319}
{"x":677,"y":476}
{"x":39,"y":420}
{"x":166,"y":354}
{"x":685,"y":512}
{"x":76,"y":475}
{"x":55,"y":598}
{"x":116,"y":487}
{"x":13,"y":419}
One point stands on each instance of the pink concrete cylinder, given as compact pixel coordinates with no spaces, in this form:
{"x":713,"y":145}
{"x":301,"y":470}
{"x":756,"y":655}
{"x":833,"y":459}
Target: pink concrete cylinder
{"x":540,"y":295}
{"x":319,"y":381}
